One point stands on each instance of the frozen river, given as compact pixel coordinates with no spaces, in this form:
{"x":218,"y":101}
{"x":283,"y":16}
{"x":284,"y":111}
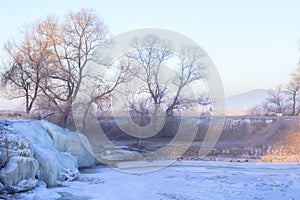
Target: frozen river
{"x":183,"y":180}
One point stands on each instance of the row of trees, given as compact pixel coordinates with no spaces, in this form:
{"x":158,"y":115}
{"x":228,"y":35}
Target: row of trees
{"x":46,"y":66}
{"x":284,"y":99}
{"x":50,"y":68}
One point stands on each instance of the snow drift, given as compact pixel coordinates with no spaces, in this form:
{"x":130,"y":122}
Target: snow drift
{"x":39,"y":150}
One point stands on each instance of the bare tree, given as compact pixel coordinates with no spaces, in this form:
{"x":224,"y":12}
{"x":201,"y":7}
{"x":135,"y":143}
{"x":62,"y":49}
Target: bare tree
{"x":257,"y":110}
{"x":139,"y":109}
{"x":73,"y":42}
{"x":26,"y":66}
{"x":191,"y":69}
{"x":292,"y":90}
{"x":49,"y":66}
{"x":276,"y":101}
{"x":138,"y":104}
{"x":150,"y":55}
{"x":98,"y":88}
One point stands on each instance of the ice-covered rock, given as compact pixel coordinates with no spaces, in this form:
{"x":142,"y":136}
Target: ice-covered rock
{"x":18,"y":166}
{"x":17,"y":169}
{"x":31,"y":150}
{"x":76,"y":144}
{"x":3,"y":156}
{"x":69,"y":175}
{"x":53,"y":164}
{"x":2,"y":188}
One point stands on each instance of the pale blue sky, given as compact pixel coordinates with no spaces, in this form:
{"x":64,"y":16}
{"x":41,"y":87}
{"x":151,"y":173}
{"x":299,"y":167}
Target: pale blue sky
{"x":253,"y":43}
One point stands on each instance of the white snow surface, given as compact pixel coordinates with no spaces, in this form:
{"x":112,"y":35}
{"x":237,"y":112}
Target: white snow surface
{"x":183,"y":180}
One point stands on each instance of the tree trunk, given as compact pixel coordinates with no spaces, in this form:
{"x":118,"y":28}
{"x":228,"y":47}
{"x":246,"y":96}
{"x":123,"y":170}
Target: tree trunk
{"x":63,"y":121}
{"x":294,"y":104}
{"x":169,"y":111}
{"x":27,"y":102}
{"x":86,"y":115}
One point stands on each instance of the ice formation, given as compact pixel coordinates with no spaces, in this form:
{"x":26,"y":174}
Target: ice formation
{"x":40,"y":150}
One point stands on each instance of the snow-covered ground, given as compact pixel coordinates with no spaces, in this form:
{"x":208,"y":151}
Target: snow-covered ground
{"x":183,"y":180}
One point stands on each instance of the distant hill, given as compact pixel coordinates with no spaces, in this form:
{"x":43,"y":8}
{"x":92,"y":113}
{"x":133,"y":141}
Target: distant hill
{"x":245,"y":101}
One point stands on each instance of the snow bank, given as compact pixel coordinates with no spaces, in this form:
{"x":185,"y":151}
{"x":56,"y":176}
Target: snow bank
{"x":41,"y":150}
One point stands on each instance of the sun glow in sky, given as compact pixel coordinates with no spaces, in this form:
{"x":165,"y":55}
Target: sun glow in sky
{"x":254,"y":44}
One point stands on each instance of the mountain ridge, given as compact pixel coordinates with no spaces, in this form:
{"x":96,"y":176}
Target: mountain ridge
{"x":246,"y":100}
